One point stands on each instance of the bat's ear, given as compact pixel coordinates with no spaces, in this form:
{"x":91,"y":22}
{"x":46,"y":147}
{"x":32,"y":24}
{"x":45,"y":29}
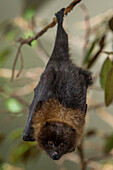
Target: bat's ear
{"x":89,"y":79}
{"x":47,"y":123}
{"x":72,"y":150}
{"x":73,"y":129}
{"x":87,"y":76}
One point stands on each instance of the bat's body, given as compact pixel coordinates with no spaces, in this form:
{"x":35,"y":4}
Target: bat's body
{"x":57,"y":112}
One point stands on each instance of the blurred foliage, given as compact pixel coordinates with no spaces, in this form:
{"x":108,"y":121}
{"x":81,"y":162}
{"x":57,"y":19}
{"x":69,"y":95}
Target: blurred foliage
{"x":23,"y":152}
{"x":29,"y":14}
{"x":89,"y":51}
{"x":107,"y":66}
{"x":13,"y":105}
{"x":4,"y":54}
{"x":20,"y":150}
{"x":101,"y":44}
{"x":109,"y":144}
{"x":106,"y":80}
{"x":15,"y":134}
{"x":6,"y":166}
{"x":109,"y":88}
{"x":92,"y":54}
{"x":34,"y":4}
{"x":2,"y":137}
{"x":9,"y":30}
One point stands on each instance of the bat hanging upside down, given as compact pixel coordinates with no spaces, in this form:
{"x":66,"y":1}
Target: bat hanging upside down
{"x":57,"y":113}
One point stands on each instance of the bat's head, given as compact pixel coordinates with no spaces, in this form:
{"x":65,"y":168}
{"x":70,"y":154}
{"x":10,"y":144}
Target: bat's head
{"x":57,"y":129}
{"x":56,"y":139}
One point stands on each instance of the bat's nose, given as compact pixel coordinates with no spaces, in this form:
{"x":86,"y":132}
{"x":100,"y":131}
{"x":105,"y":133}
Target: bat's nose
{"x":27,"y":137}
{"x":55,"y":155}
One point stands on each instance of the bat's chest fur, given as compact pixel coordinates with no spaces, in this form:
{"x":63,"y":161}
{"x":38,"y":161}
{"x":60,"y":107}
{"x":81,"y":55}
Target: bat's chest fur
{"x":53,"y":111}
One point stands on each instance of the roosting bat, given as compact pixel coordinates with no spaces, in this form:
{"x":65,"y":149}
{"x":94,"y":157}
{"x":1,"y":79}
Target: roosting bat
{"x":57,"y":113}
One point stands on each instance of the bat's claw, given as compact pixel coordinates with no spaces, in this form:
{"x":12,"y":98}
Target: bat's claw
{"x":28,"y":137}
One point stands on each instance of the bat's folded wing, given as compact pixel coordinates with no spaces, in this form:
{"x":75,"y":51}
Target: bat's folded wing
{"x":42,"y":93}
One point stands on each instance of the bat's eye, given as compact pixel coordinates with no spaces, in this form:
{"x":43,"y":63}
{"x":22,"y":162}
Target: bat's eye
{"x":50,"y":143}
{"x":62,"y":145}
{"x":89,"y":77}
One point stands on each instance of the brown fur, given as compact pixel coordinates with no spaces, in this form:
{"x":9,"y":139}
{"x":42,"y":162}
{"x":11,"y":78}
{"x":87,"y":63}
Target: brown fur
{"x":53,"y":111}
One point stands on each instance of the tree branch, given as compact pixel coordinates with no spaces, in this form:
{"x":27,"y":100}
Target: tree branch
{"x":82,"y":156}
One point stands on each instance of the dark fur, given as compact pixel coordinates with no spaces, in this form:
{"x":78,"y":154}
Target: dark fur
{"x":62,"y":81}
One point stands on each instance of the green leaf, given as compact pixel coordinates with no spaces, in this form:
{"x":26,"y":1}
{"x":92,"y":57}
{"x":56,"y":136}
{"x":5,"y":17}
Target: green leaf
{"x":4,"y":54}
{"x":104,"y":71}
{"x":109,"y":144}
{"x":11,"y":35}
{"x":22,"y":151}
{"x":15,"y":134}
{"x":13,"y":105}
{"x":30,"y":34}
{"x":29,"y":14}
{"x":109,"y":88}
{"x":89,"y":52}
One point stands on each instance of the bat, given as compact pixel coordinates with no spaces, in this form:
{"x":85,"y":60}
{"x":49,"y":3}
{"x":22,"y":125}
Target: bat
{"x":57,"y":113}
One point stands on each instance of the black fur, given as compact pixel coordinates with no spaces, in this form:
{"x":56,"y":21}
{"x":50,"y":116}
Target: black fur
{"x":59,"y":134}
{"x":61,"y":79}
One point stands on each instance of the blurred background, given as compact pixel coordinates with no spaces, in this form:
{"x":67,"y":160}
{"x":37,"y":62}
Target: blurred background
{"x":90,"y":29}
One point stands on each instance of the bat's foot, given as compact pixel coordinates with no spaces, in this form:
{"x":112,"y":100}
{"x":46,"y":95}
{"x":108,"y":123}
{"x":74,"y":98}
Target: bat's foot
{"x":59,"y":15}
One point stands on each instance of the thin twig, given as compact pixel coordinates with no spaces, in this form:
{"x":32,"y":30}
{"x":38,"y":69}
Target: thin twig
{"x":96,"y":20}
{"x":26,"y":89}
{"x":29,"y":40}
{"x":22,"y":64}
{"x":96,"y":106}
{"x":82,"y":157}
{"x":33,"y":73}
{"x":102,"y":44}
{"x":88,"y":27}
{"x":15,"y":61}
